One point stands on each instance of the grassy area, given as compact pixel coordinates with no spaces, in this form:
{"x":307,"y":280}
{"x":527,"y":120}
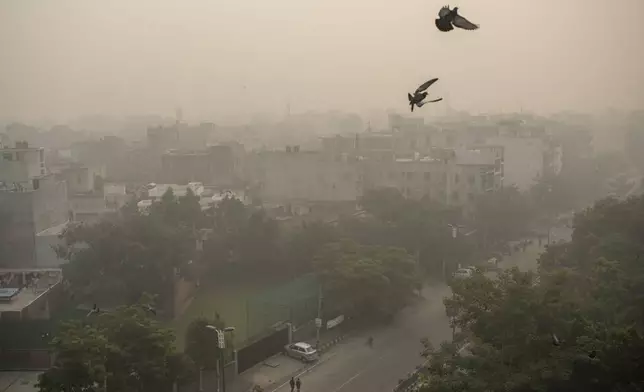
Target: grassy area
{"x":228,"y":298}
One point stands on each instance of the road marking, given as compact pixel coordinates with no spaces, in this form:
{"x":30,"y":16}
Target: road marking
{"x":344,"y":384}
{"x":307,"y":370}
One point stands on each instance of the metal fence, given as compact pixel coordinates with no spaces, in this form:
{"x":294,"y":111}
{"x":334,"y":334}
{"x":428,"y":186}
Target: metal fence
{"x":295,"y":302}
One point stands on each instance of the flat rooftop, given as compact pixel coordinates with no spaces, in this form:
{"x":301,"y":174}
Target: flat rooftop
{"x":22,"y":299}
{"x":14,"y":298}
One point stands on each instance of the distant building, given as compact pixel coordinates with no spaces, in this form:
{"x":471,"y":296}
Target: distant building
{"x":21,"y":163}
{"x":311,"y":176}
{"x":526,"y":159}
{"x":450,"y":177}
{"x":220,"y":165}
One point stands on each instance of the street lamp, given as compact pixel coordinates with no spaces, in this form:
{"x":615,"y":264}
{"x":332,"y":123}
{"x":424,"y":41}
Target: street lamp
{"x":221,"y":343}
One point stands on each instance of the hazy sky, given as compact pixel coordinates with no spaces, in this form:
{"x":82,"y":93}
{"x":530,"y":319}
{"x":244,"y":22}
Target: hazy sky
{"x":65,"y":58}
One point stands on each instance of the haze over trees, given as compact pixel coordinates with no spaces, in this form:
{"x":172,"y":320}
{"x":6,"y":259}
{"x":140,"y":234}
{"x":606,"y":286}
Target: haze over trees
{"x":576,"y":325}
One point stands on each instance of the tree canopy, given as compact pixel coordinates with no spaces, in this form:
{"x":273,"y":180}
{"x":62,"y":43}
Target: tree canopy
{"x":577,"y":325}
{"x":369,"y":281}
{"x":116,"y":260}
{"x":201,"y":341}
{"x":125,"y":350}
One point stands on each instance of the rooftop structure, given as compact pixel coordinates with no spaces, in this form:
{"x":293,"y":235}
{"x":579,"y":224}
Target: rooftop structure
{"x":20,"y":288}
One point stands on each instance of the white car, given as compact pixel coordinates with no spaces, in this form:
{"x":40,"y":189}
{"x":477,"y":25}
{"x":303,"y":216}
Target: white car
{"x":463,"y":273}
{"x":302,"y":351}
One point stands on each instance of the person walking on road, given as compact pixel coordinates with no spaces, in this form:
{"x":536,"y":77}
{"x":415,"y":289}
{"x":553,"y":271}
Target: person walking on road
{"x":292,"y":384}
{"x":298,"y":384}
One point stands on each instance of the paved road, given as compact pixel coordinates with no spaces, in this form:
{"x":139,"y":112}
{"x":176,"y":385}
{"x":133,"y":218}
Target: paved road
{"x":354,"y":366}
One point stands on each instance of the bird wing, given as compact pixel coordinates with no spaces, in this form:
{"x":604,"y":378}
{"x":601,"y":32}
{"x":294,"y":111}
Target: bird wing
{"x":435,"y":100}
{"x":426,"y":85}
{"x":463,"y":23}
{"x":443,"y":12}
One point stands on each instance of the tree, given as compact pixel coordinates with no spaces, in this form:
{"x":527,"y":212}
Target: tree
{"x":502,"y":215}
{"x":367,"y":281}
{"x":244,"y":237}
{"x":302,"y":246}
{"x":123,"y":350}
{"x":419,"y":226}
{"x":201,"y":341}
{"x":576,"y":326}
{"x":115,"y":261}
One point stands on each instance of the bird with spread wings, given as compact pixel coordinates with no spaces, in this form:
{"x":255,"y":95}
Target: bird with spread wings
{"x":418,"y":98}
{"x":448,"y":19}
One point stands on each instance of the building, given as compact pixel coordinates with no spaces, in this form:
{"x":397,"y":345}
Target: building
{"x":450,"y":177}
{"x":29,"y":299}
{"x":34,"y":208}
{"x":21,"y":163}
{"x":526,"y":159}
{"x":180,"y":136}
{"x":307,"y":176}
{"x":36,"y":213}
{"x":220,"y":165}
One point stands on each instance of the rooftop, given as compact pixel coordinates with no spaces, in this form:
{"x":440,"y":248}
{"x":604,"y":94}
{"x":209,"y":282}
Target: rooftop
{"x":474,"y":157}
{"x":14,"y":298}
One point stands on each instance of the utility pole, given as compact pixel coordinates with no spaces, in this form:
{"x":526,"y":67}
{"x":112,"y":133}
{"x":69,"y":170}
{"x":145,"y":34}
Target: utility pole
{"x":318,"y":320}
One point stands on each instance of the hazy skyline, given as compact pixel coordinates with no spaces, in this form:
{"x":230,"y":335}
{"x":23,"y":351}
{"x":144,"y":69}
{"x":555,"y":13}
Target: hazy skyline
{"x":64,"y":58}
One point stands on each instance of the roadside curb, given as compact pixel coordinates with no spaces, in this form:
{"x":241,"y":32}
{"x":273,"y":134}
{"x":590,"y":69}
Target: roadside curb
{"x":326,"y":346}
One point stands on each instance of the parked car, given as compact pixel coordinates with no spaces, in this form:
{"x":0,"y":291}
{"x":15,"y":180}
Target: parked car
{"x":463,"y":273}
{"x":301,"y":351}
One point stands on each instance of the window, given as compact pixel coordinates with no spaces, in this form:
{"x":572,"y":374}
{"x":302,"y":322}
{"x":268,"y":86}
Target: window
{"x":7,"y":156}
{"x":428,"y":176}
{"x":456,"y":178}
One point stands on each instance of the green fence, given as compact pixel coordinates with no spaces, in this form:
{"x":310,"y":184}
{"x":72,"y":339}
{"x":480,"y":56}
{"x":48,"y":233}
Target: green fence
{"x":294,"y":302}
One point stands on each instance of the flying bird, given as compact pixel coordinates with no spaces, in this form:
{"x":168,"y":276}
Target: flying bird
{"x":448,"y":19}
{"x":420,"y":94}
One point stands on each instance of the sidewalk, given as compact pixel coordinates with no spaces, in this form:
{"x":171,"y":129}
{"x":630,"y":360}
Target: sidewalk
{"x":279,"y":368}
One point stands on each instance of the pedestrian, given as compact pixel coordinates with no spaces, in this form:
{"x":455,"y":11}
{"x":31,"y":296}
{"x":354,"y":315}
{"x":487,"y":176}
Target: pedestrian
{"x":292,"y":384}
{"x":298,"y":384}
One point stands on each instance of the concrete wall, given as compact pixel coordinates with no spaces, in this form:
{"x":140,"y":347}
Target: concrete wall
{"x":523,"y":160}
{"x":50,"y":204}
{"x":17,"y":247}
{"x":44,"y":249}
{"x":19,"y":165}
{"x":308,"y":176}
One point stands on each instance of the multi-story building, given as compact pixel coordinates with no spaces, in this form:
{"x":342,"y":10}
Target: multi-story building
{"x":21,"y":163}
{"x":451,"y":177}
{"x":307,"y":176}
{"x":30,"y":299}
{"x":34,"y":208}
{"x":220,"y":165}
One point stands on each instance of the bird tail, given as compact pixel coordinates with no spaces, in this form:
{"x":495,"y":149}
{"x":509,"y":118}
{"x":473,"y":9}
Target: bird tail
{"x":411,"y":105}
{"x":409,"y":97}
